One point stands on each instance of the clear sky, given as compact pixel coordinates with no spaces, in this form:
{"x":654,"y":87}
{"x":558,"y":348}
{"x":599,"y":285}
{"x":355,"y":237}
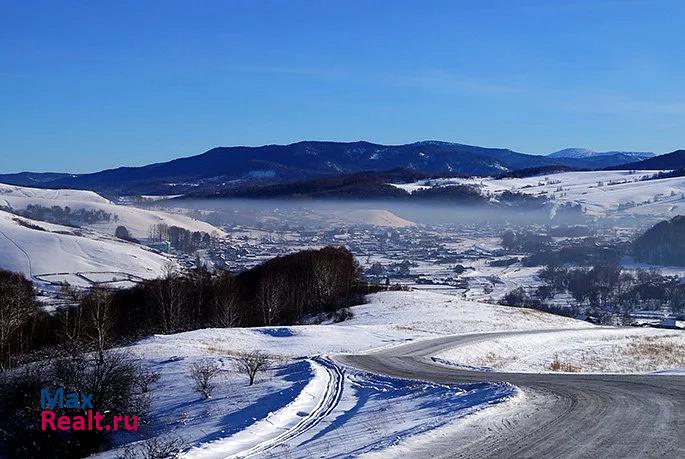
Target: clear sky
{"x":94,"y":84}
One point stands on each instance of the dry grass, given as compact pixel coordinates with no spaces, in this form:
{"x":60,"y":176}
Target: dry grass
{"x":658,"y":351}
{"x":212,"y":349}
{"x":491,"y":358}
{"x":566,"y":367}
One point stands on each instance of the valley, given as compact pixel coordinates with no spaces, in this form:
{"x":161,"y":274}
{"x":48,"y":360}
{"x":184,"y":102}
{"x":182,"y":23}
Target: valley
{"x":471,"y":318}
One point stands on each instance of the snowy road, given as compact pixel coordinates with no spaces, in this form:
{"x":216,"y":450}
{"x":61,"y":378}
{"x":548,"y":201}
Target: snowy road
{"x":566,"y":415}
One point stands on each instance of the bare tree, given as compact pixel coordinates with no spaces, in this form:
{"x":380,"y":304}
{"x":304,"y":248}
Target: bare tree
{"x":326,"y":279}
{"x":159,"y":232}
{"x":204,"y":373}
{"x":146,"y":379}
{"x":225,"y":299}
{"x":156,"y":448}
{"x":252,"y":363}
{"x":168,"y":297}
{"x":99,"y":319}
{"x":270,"y":295}
{"x":70,"y":316}
{"x":16,"y":307}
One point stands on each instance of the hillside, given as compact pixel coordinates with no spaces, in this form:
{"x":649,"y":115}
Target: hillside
{"x":598,"y":193}
{"x":52,"y":253}
{"x":663,"y":244}
{"x":584,"y":153}
{"x":98,"y":213}
{"x":31,"y":178}
{"x":673,"y":160}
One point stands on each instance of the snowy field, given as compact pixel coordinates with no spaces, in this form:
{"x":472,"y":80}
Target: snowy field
{"x":597,"y":350}
{"x":309,"y":406}
{"x":57,"y":253}
{"x":138,"y":221}
{"x":301,"y":408}
{"x":600,"y":193}
{"x":389,"y":318}
{"x":51,"y":254}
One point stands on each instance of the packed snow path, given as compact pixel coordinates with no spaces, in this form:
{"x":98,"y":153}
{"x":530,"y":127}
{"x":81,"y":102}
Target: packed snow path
{"x":329,"y":400}
{"x":566,"y":415}
{"x":324,"y":391}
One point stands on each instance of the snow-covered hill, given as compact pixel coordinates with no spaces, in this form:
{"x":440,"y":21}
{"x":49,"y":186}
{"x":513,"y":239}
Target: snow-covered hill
{"x":600,"y":193}
{"x":50,"y":253}
{"x":315,"y":407}
{"x":583,"y":153}
{"x":138,"y":221}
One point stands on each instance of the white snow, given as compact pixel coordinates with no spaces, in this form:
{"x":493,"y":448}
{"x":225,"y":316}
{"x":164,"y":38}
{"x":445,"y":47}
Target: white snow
{"x":388,"y":318}
{"x":304,"y":408}
{"x":138,"y":221}
{"x":596,"y":350}
{"x":59,"y":252}
{"x":600,"y":193}
{"x":269,"y":432}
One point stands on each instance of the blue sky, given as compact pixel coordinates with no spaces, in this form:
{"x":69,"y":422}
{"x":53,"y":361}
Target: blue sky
{"x":95,"y":84}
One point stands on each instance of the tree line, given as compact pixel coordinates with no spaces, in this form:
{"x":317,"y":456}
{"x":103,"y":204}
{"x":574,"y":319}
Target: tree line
{"x":180,"y":238}
{"x":280,"y":291}
{"x":662,"y":244}
{"x":65,"y":216}
{"x":602,"y":290}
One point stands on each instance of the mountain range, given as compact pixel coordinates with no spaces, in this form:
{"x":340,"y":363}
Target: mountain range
{"x":584,"y":153}
{"x":669,"y":161}
{"x":227,"y":168}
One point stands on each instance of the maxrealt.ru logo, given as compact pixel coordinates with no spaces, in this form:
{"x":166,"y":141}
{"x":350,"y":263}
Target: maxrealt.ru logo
{"x":87,"y":419}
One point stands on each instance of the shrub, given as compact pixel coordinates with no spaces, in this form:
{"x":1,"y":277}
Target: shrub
{"x":113,"y":382}
{"x":203,"y":374}
{"x":253,"y":363}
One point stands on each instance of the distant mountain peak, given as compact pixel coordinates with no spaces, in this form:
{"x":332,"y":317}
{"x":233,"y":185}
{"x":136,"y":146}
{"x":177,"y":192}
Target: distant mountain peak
{"x":580,"y":153}
{"x":573,"y":153}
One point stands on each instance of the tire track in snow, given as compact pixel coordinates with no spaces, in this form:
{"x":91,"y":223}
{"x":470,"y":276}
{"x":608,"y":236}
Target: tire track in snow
{"x":324,"y":407}
{"x":28,"y":258}
{"x":328,"y":397}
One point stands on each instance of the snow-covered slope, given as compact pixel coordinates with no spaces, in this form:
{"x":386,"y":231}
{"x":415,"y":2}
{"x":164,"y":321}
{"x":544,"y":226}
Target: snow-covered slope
{"x":582,"y":153}
{"x":138,"y":221}
{"x":600,"y":193}
{"x":57,"y":253}
{"x":388,"y":318}
{"x":315,"y":407}
{"x":595,"y":350}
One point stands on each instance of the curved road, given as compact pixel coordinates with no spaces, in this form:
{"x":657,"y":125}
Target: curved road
{"x":564,"y":415}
